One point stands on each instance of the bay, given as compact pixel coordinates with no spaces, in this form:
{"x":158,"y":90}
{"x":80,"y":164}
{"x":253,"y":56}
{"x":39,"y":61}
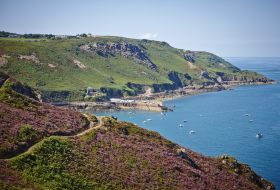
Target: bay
{"x":226,"y":122}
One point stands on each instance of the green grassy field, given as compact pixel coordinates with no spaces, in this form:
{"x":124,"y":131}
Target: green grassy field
{"x":56,"y":70}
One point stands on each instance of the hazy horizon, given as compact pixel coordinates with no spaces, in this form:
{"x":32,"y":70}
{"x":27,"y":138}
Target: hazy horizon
{"x":229,"y":29}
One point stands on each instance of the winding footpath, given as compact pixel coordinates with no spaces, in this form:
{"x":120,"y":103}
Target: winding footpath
{"x":92,"y":126}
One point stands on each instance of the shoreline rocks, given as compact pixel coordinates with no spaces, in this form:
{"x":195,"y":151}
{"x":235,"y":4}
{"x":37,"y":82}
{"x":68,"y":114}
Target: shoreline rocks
{"x":151,"y":101}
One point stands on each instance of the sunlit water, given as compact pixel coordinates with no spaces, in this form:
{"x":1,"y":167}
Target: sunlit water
{"x":220,"y":122}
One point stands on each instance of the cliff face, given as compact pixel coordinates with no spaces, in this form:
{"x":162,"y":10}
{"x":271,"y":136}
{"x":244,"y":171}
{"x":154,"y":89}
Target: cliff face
{"x":108,"y":154}
{"x":125,"y":49}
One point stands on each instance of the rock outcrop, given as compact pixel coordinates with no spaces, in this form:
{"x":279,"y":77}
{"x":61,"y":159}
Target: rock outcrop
{"x":123,"y":48}
{"x":3,"y":78}
{"x":189,"y":56}
{"x":241,"y":169}
{"x":173,"y":76}
{"x":33,"y":58}
{"x":204,"y":74}
{"x":3,"y":60}
{"x":79,"y":64}
{"x":228,"y":78}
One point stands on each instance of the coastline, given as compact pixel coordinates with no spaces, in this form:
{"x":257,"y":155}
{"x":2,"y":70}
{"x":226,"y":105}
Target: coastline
{"x":213,"y":88}
{"x":154,"y":101}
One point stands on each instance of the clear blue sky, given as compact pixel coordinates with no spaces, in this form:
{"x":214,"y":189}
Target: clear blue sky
{"x":226,"y":28}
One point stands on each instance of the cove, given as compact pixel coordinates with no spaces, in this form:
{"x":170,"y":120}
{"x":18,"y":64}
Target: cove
{"x":226,"y":122}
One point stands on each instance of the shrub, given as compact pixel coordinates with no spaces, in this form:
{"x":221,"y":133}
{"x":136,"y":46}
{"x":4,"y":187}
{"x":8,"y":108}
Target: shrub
{"x":92,"y":118}
{"x":27,"y":134}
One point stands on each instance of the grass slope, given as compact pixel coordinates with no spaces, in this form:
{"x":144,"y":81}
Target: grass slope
{"x":55,"y":68}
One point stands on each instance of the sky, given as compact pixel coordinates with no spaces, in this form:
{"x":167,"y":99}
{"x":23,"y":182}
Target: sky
{"x":239,"y":28}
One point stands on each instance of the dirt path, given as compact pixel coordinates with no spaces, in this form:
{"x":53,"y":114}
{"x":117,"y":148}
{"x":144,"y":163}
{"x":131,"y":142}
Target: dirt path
{"x":92,"y":126}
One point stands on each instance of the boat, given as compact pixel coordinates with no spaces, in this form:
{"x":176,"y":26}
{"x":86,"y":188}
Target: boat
{"x":259,"y":135}
{"x":246,"y":114}
{"x":181,"y":125}
{"x":149,"y":119}
{"x":251,"y":121}
{"x":185,"y":121}
{"x":192,"y":132}
{"x":144,"y":121}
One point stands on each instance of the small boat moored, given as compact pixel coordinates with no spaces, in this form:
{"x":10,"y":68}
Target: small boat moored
{"x":192,"y":132}
{"x":259,"y":135}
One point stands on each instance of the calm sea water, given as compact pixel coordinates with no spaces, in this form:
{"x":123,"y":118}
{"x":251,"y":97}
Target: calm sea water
{"x":220,"y":122}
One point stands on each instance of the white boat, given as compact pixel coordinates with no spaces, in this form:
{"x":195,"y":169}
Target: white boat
{"x":192,"y":132}
{"x":144,"y":121}
{"x":246,"y":114}
{"x":149,"y":119}
{"x":251,"y":121}
{"x":181,"y":125}
{"x":259,"y":135}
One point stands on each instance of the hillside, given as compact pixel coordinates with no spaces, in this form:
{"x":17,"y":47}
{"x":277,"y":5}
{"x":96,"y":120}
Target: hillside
{"x":25,"y":121}
{"x":109,"y":155}
{"x":61,"y":68}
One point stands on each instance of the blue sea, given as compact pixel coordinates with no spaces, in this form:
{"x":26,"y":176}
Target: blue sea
{"x":226,"y":122}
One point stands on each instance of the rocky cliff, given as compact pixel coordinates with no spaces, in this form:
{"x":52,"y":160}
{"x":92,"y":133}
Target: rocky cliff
{"x":125,"y":49}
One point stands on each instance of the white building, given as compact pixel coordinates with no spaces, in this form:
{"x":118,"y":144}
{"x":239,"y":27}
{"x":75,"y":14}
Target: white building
{"x":116,"y":100}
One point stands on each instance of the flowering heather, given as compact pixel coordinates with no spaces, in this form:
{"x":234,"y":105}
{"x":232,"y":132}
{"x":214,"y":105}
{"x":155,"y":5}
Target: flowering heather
{"x":24,"y":121}
{"x":113,"y":155}
{"x":120,"y":155}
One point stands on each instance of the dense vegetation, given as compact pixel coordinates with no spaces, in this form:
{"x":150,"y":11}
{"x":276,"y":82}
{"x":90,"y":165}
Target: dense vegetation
{"x":39,"y":144}
{"x":111,"y":155}
{"x":120,"y":155}
{"x":61,"y":68}
{"x":25,"y":121}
